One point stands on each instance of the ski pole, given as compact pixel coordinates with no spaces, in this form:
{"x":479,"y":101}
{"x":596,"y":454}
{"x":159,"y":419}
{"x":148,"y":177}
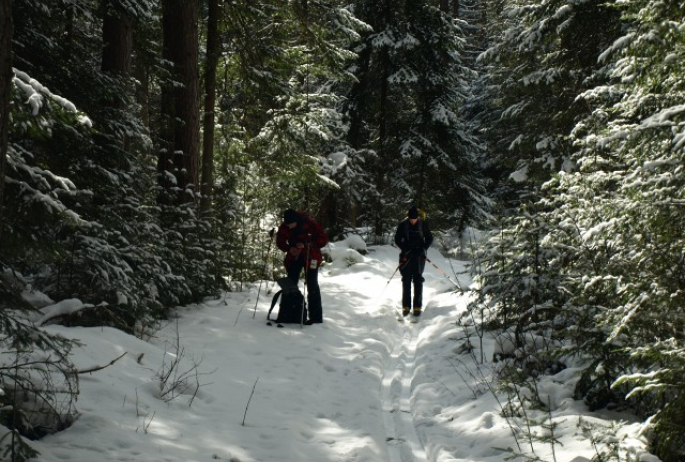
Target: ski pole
{"x":306,"y":275}
{"x":444,"y":274}
{"x":393,"y":274}
{"x":399,"y":266}
{"x":266,"y":264}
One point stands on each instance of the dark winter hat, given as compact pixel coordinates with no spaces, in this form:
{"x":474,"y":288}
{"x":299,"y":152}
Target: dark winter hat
{"x":413,"y":212}
{"x":290,"y":216}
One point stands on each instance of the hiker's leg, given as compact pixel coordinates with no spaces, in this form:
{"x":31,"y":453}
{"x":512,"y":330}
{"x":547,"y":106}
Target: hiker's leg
{"x":418,"y":292}
{"x":314,"y":296}
{"x":406,"y":273}
{"x":418,"y":283}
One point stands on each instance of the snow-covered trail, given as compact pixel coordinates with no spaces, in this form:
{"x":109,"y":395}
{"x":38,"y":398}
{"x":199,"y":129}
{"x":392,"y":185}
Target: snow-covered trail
{"x":360,"y":387}
{"x":405,"y":440}
{"x":404,"y":444}
{"x":340,"y":391}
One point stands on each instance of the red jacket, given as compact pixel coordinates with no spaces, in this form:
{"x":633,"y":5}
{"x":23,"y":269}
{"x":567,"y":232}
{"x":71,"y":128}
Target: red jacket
{"x":307,"y":231}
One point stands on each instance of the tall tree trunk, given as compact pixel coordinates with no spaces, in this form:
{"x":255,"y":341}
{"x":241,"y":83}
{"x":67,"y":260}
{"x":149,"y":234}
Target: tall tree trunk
{"x":179,"y":154}
{"x":358,"y":95}
{"x":141,"y":71}
{"x":6,"y":31}
{"x":117,"y":35}
{"x":383,"y":155}
{"x":213,"y":51}
{"x":117,"y":40}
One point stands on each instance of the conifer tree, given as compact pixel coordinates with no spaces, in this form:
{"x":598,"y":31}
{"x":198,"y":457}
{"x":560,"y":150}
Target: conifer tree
{"x":605,"y":242}
{"x":39,"y":388}
{"x":408,"y":108}
{"x":281,"y":124}
{"x":121,"y":251}
{"x":631,"y":164}
{"x":540,"y":65}
{"x":542,"y":56}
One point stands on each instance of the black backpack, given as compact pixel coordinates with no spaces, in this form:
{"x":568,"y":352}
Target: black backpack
{"x":291,"y":306}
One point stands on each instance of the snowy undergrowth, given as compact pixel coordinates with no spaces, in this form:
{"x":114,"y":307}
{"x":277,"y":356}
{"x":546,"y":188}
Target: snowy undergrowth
{"x":466,"y":413}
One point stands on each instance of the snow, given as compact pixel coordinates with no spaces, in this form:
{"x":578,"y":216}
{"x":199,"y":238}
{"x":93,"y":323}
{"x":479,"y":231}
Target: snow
{"x":664,"y":116}
{"x":64,"y":307}
{"x":519,"y":176}
{"x":34,"y":92}
{"x":337,"y":160}
{"x":36,"y":298}
{"x":618,"y":44}
{"x":361,"y":387}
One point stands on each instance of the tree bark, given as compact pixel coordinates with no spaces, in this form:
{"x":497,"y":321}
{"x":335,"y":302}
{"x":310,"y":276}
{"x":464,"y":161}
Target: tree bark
{"x":117,"y":34}
{"x":383,"y":153}
{"x":117,"y":40}
{"x":6,"y":74}
{"x":213,"y":52}
{"x":358,"y":95}
{"x":180,"y":149}
{"x":141,"y":73}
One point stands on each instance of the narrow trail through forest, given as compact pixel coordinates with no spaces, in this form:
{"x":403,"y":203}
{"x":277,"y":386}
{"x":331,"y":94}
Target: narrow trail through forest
{"x":404,"y":443}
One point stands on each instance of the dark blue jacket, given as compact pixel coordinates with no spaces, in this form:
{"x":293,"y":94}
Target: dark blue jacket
{"x":413,"y":240}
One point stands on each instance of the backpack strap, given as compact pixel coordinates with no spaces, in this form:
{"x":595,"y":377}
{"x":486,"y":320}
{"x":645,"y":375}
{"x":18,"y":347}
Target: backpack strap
{"x":420,"y":224}
{"x":273,"y":303}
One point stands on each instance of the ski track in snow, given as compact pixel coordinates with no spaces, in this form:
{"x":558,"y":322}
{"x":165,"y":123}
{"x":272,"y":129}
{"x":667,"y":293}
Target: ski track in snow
{"x":404,"y":444}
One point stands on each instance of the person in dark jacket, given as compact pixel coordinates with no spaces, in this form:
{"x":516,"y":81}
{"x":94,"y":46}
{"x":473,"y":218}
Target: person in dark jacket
{"x":413,"y":237}
{"x":302,"y":239}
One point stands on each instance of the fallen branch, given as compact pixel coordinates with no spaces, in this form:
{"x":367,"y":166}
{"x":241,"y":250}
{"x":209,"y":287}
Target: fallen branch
{"x":249,"y":399}
{"x":98,"y":368}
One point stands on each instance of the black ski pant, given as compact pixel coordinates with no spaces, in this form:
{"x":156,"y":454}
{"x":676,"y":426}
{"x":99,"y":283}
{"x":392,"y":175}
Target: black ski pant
{"x":313,"y":291}
{"x":412,"y":273}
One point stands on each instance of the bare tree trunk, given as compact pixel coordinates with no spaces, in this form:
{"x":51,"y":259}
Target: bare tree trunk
{"x":117,"y":34}
{"x":213,"y":52}
{"x":180,"y":103}
{"x":383,"y":154}
{"x":117,"y":40}
{"x":6,"y":74}
{"x":141,"y":73}
{"x":356,"y":134}
{"x":358,"y":109}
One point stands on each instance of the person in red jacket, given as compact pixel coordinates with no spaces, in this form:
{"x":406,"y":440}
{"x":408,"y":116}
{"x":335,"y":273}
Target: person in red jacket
{"x":302,"y":239}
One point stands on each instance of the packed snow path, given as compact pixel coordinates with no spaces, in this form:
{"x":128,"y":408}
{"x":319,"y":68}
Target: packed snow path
{"x":342,"y":391}
{"x":404,"y":444}
{"x":359,"y":388}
